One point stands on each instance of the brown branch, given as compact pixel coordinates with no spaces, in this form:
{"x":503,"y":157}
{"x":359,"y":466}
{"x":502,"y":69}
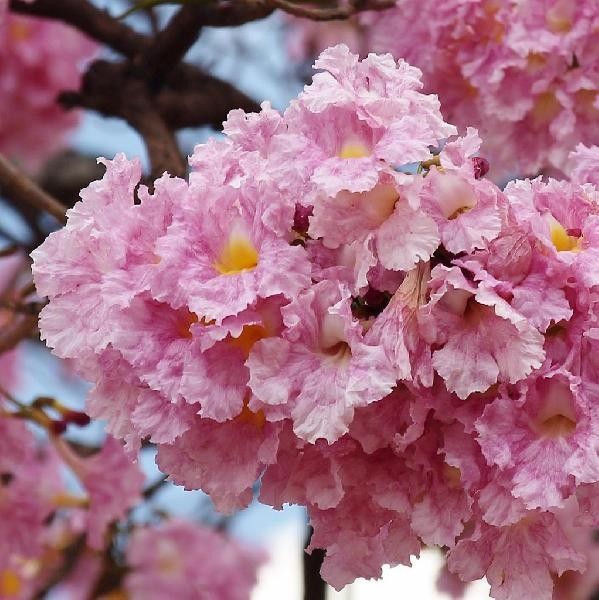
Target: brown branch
{"x":72,"y":553}
{"x":171,"y":44}
{"x":135,"y":105}
{"x":20,"y":189}
{"x":207,"y":107}
{"x":68,"y":172}
{"x":155,"y":487}
{"x":191,"y":100}
{"x":15,"y":331}
{"x":83,"y":15}
{"x":233,"y":13}
{"x":318,"y":13}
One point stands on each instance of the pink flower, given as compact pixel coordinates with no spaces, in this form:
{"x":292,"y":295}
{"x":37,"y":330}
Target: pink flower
{"x":358,"y":119}
{"x":218,"y":257}
{"x":519,"y":560}
{"x":564,"y":218}
{"x":30,"y":479}
{"x":522,"y":74}
{"x":584,"y":165}
{"x":450,"y":584}
{"x":404,"y":349}
{"x":401,"y":234}
{"x":545,"y":442}
{"x":105,"y":256}
{"x":185,"y":560}
{"x":370,"y":525}
{"x":468,"y":210}
{"x":113,"y":484}
{"x":132,"y":411}
{"x":397,"y":330}
{"x":320,"y":369}
{"x":222,"y":459}
{"x":472,"y":326}
{"x":40,"y":58}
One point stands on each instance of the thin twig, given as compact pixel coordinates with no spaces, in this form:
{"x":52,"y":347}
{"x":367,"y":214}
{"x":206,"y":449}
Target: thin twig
{"x":318,"y":13}
{"x":153,"y":488}
{"x":16,"y":185}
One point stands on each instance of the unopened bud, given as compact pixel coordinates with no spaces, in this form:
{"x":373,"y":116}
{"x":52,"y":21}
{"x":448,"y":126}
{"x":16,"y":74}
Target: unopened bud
{"x":77,"y":418}
{"x":301,"y":218}
{"x":481,"y":166}
{"x":57,"y":427}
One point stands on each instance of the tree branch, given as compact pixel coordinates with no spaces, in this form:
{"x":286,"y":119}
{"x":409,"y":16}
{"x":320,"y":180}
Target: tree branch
{"x":171,"y":44}
{"x":15,"y":331}
{"x":319,"y":13}
{"x":314,"y":585}
{"x":20,"y":189}
{"x":135,"y":105}
{"x":233,"y":13}
{"x":83,"y":15}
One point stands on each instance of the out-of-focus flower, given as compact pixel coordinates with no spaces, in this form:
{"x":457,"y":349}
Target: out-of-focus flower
{"x":40,"y":59}
{"x":185,"y":560}
{"x":524,"y":73}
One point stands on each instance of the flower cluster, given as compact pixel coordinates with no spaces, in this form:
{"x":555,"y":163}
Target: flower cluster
{"x":375,"y":331}
{"x":524,"y":73}
{"x":40,"y":59}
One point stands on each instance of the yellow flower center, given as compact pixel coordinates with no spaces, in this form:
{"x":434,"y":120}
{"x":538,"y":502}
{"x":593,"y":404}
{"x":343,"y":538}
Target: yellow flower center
{"x":64,"y":500}
{"x":453,"y":475}
{"x":238,"y":254}
{"x":169,"y":558}
{"x":557,"y":417}
{"x":545,"y":108}
{"x":585,"y":103}
{"x":247,"y":416}
{"x":186,"y":321}
{"x":455,"y":196}
{"x":557,"y":426}
{"x":561,"y":239}
{"x":248,"y":337}
{"x":353,"y":149}
{"x":380,"y":202}
{"x":10,"y":584}
{"x":559,"y":16}
{"x":535,"y":61}
{"x":19,"y":31}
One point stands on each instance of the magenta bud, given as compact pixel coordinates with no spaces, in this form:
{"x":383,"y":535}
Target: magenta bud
{"x":77,"y":418}
{"x":58,"y":427}
{"x":375,"y":298}
{"x":481,"y":166}
{"x":301,"y":218}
